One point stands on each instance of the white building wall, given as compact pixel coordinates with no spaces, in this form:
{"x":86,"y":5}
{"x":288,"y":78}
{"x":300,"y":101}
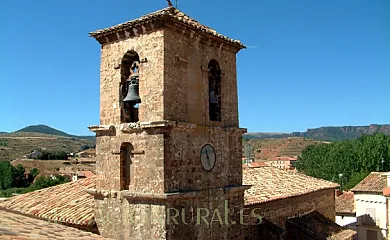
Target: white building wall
{"x":371,"y":201}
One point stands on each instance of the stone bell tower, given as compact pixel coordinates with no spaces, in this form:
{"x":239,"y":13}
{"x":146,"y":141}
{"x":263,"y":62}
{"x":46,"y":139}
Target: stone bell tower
{"x":168,"y":144}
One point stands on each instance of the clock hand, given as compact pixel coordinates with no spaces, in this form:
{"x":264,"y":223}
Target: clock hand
{"x":207,"y":155}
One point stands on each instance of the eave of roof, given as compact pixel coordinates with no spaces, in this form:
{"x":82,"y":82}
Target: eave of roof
{"x":67,"y":203}
{"x":169,"y":13}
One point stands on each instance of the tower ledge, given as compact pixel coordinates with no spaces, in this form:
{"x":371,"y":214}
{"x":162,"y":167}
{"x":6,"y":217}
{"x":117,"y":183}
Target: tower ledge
{"x":129,"y":28}
{"x":161,"y":196}
{"x":140,"y":126}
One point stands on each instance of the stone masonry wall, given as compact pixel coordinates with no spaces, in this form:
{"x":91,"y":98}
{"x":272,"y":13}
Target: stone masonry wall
{"x":147,"y":170}
{"x":278,"y":211}
{"x":120,"y":218}
{"x":183,"y":168}
{"x":206,"y":215}
{"x":186,"y":59}
{"x":149,"y":46}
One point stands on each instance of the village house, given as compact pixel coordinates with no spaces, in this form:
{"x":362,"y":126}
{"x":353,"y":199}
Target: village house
{"x":33,"y":155}
{"x":89,"y":153}
{"x":372,"y":206}
{"x":282,"y":162}
{"x":345,"y":210}
{"x":280,"y":195}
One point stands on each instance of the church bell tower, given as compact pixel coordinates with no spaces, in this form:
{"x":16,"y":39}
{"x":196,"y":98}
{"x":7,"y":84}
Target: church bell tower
{"x":168,"y":144}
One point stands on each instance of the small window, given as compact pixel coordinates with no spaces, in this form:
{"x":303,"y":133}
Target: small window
{"x":214,"y":91}
{"x":125,"y":165}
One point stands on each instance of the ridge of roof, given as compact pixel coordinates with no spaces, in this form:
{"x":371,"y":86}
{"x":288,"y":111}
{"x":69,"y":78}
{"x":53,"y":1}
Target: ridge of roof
{"x":374,"y":182}
{"x":169,"y":12}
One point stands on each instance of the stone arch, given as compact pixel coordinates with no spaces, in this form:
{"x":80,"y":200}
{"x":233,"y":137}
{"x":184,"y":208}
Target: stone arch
{"x":129,"y":66}
{"x":126,"y":165}
{"x":214,"y":91}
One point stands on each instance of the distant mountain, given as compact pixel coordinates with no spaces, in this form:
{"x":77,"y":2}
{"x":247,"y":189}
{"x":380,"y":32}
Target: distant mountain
{"x":328,"y":133}
{"x":44,"y":129}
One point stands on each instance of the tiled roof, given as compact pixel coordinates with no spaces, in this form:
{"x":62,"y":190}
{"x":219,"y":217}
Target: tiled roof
{"x":255,"y":164}
{"x":320,"y":227}
{"x":86,"y":174}
{"x":169,"y":12}
{"x":70,"y":203}
{"x":269,"y":183}
{"x":15,"y":226}
{"x":345,"y":203}
{"x":66,"y":203}
{"x":283,"y":159}
{"x":374,"y":182}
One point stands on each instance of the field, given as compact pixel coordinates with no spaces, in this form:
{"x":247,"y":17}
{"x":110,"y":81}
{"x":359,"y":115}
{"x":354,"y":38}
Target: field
{"x":55,"y":167}
{"x":16,"y":145}
{"x":265,"y":149}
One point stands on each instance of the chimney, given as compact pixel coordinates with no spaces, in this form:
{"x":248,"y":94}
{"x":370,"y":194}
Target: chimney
{"x":387,"y":176}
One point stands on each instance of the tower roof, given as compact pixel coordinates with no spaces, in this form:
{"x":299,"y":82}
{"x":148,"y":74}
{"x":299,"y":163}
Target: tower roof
{"x":169,"y":13}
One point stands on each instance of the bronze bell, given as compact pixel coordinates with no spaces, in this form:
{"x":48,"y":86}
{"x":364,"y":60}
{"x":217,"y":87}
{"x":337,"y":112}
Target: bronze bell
{"x":132,"y":96}
{"x":213,"y":98}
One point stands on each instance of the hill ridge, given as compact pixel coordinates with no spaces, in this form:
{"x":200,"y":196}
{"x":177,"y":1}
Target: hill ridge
{"x":328,"y":133}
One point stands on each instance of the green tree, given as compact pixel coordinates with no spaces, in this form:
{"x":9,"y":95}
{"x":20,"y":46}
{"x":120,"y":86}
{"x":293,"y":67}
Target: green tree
{"x":34,"y":172}
{"x":19,"y":177}
{"x":6,"y":176}
{"x":354,"y":159}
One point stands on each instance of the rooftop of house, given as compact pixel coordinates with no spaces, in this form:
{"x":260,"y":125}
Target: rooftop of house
{"x":16,"y":226}
{"x":319,"y":227}
{"x":255,"y":164}
{"x":373,"y":183}
{"x":283,"y":158}
{"x":170,"y":13}
{"x":67,"y":203}
{"x":345,"y":203}
{"x":86,"y":174}
{"x":269,"y":183}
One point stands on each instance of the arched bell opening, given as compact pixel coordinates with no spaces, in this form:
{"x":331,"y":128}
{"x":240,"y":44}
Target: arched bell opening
{"x":130,"y":98}
{"x":214,"y":91}
{"x":126,"y":165}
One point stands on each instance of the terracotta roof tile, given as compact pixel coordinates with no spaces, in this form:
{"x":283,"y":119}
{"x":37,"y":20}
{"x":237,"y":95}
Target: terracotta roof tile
{"x":15,"y":226}
{"x":345,"y":203}
{"x":269,"y":183}
{"x":169,"y":12}
{"x":374,"y":182}
{"x":86,"y":174}
{"x":67,"y":203}
{"x":386,"y":191}
{"x":320,"y":227}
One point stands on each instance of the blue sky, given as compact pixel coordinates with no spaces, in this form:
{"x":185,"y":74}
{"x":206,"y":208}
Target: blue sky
{"x":308,"y":63}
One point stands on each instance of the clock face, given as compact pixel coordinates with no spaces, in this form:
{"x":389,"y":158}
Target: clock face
{"x":207,"y":157}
